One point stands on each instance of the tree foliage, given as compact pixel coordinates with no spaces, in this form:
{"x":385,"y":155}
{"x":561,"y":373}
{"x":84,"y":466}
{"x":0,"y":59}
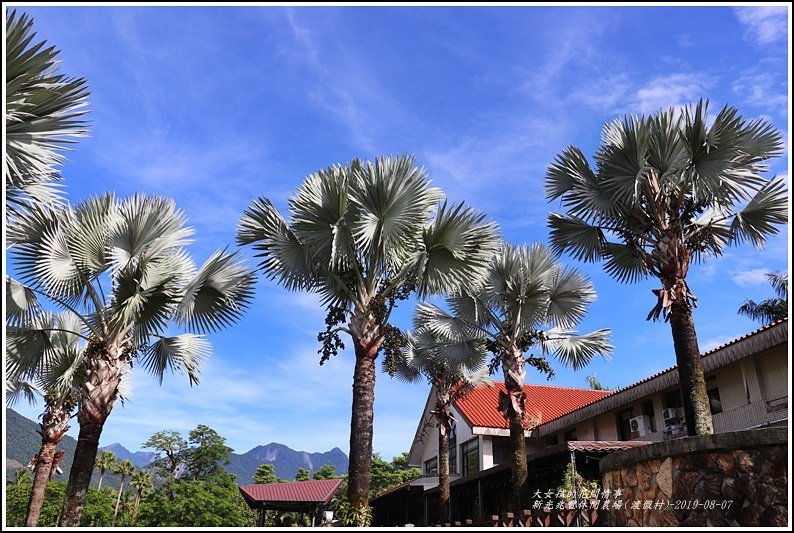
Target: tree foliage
{"x":44,"y":114}
{"x":171,"y":448}
{"x":208,"y":453}
{"x":98,"y":510}
{"x":211,"y":501}
{"x":327,"y":471}
{"x":266,"y":473}
{"x":771,"y":309}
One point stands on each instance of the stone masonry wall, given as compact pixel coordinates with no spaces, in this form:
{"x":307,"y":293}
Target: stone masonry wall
{"x":729,"y":479}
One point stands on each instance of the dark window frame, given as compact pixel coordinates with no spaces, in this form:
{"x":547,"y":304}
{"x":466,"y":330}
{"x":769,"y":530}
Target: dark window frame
{"x":470,"y":447}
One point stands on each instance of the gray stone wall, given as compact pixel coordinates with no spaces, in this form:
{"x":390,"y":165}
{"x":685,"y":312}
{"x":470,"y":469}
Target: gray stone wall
{"x":729,"y":479}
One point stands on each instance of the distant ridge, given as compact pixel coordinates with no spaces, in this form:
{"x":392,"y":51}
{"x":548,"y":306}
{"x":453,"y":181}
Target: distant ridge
{"x":22,"y":442}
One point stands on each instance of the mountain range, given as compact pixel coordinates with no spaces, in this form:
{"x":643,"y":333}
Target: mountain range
{"x":22,"y":442}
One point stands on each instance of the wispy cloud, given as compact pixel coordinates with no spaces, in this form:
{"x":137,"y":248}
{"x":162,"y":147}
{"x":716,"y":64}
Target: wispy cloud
{"x":684,"y":40}
{"x":764,"y":25}
{"x":764,"y":87}
{"x":714,"y":342}
{"x":670,"y":91}
{"x":755,"y":276}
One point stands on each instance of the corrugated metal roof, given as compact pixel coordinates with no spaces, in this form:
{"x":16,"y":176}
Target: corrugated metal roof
{"x":544,"y":403}
{"x":312,"y":491}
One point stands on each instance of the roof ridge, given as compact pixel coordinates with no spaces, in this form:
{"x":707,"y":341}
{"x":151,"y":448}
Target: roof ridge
{"x":567,"y":387}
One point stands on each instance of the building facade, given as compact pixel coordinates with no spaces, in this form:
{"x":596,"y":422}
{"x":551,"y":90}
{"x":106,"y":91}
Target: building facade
{"x":747,"y":383}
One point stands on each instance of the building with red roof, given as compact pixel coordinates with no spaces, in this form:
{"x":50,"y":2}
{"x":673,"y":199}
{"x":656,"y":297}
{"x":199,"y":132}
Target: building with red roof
{"x":309,"y":497}
{"x":747,"y":381}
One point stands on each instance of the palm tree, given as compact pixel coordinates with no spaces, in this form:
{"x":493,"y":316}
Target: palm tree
{"x":124,"y":469}
{"x":142,"y":481}
{"x":365,"y":236}
{"x":106,"y":460}
{"x":528,"y":300}
{"x":453,"y":368}
{"x":45,"y":362}
{"x":771,"y":309}
{"x":68,"y":256}
{"x":22,"y":477}
{"x":43,"y":114}
{"x":669,"y":190}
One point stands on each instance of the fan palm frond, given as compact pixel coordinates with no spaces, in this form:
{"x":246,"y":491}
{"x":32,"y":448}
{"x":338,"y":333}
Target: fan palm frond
{"x":44,"y":114}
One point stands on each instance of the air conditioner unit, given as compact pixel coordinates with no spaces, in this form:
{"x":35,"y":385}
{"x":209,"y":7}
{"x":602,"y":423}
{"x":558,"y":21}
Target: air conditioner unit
{"x":675,"y":431}
{"x":640,"y":425}
{"x":671,"y":413}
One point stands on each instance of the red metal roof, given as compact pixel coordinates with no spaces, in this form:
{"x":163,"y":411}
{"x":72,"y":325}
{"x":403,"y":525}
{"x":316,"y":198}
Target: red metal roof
{"x":314,"y":490}
{"x":544,"y":403}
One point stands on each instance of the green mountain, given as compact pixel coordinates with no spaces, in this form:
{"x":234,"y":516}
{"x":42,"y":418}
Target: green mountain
{"x":22,"y":442}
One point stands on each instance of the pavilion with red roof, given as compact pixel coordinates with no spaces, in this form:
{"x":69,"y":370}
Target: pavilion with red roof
{"x":305,"y":497}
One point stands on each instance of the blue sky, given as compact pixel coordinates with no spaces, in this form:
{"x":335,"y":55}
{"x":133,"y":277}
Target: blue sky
{"x":215,"y":106}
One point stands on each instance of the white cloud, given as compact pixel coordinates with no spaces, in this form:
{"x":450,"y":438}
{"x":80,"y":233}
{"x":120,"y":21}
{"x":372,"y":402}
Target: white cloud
{"x":764,"y":25}
{"x":670,"y":91}
{"x":764,"y":89}
{"x":755,"y":276}
{"x":605,"y":93}
{"x":714,"y":342}
{"x":684,"y":40}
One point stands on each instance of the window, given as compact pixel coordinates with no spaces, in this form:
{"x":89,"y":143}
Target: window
{"x":570,"y":435}
{"x":470,"y":457}
{"x":673,"y":399}
{"x":431,"y":466}
{"x":714,"y":401}
{"x":501,"y":450}
{"x":647,"y":409}
{"x":453,"y":448}
{"x":552,"y":440}
{"x":624,"y":424}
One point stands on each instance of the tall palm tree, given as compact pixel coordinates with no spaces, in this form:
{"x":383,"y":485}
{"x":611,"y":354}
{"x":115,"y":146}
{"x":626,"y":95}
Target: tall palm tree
{"x":141,"y":480}
{"x":529,"y":300}
{"x":364,"y":236}
{"x":124,"y":468}
{"x":668,"y":191}
{"x":771,"y":309}
{"x":453,"y":368}
{"x":121,"y":269}
{"x":106,"y":460}
{"x":46,"y":362}
{"x":44,"y":112}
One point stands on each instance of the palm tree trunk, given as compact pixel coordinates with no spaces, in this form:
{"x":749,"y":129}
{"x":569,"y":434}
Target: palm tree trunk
{"x":80,"y":474}
{"x":443,"y":467}
{"x":137,"y":503}
{"x":359,"y":472}
{"x":99,"y":483}
{"x":690,"y":370}
{"x":118,"y":500}
{"x":512,"y":407}
{"x":103,"y":375}
{"x":44,"y":464}
{"x":54,"y":425}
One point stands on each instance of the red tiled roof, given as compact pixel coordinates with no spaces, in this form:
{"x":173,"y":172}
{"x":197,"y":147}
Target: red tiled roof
{"x":314,"y":490}
{"x":544,"y":403}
